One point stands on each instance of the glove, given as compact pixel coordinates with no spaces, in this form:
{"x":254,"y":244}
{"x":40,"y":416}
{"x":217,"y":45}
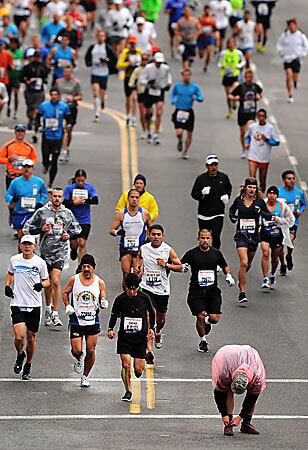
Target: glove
{"x":185,"y":268}
{"x":224,"y":198}
{"x":38,"y":287}
{"x":8,"y":292}
{"x":206,"y":190}
{"x":257,"y":209}
{"x":103,"y":303}
{"x":120,"y":232}
{"x":230,"y":280}
{"x":233,"y":219}
{"x":167,"y":88}
{"x":69,"y":310}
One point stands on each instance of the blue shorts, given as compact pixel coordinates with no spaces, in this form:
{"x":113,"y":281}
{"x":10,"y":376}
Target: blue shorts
{"x":18,"y":220}
{"x":203,"y":42}
{"x":247,"y":49}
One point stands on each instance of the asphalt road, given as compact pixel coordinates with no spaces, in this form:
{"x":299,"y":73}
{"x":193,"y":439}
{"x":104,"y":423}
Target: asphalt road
{"x":176,"y":407}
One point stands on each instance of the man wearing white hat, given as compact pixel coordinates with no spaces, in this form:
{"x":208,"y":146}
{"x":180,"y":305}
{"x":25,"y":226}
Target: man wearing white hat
{"x":212,"y":189}
{"x":28,"y":275}
{"x":143,"y":34}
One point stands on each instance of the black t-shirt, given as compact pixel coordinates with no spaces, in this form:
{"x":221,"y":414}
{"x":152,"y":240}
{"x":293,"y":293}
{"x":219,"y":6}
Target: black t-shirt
{"x":248,"y":217}
{"x":203,"y":267}
{"x":133,"y":313}
{"x":247,"y":93}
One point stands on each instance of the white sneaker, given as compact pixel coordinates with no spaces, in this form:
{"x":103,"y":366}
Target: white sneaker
{"x":184,"y":154}
{"x":156,"y":140}
{"x":47,"y":318}
{"x":133,"y":122}
{"x":84,"y":382}
{"x":265,"y":285}
{"x":64,"y":156}
{"x":291,"y":99}
{"x":96,"y":118}
{"x":143,"y":136}
{"x":56,"y":320}
{"x":243,"y":154}
{"x":78,"y":365}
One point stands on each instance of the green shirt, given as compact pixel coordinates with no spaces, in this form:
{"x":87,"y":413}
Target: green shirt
{"x":17,"y":55}
{"x":151,"y":8}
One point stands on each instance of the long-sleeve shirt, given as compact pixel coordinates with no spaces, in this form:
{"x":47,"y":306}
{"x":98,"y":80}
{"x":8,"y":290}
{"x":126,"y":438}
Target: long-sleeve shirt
{"x":292,"y":45}
{"x":27,"y":194}
{"x":23,"y":150}
{"x":183,"y":95}
{"x":158,"y":77}
{"x":259,"y":149}
{"x":88,"y":193}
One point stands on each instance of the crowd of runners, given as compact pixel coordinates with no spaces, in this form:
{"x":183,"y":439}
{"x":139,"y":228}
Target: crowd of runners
{"x":55,"y":222}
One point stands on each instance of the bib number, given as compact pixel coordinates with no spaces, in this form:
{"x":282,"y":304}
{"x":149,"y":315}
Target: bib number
{"x":2,"y":72}
{"x":132,"y":324}
{"x":248,"y":225}
{"x":155,"y":92}
{"x":182,"y":116}
{"x":206,"y":277}
{"x":28,"y":203}
{"x":85,"y":307}
{"x":81,"y":194}
{"x":263,"y":9}
{"x":17,"y":163}
{"x":131,"y":243}
{"x":207,"y":30}
{"x":52,"y":123}
{"x":153,"y":277}
{"x":249,"y":106}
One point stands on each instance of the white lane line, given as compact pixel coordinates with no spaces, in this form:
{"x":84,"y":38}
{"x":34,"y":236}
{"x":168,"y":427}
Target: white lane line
{"x":166,"y":380}
{"x":144,"y":416}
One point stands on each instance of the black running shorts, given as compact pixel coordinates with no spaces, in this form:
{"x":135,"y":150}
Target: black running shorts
{"x":30,"y":318}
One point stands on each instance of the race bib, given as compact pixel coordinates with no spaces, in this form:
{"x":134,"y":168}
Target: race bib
{"x":263,"y":9}
{"x":228,"y":71}
{"x":248,"y":225}
{"x":135,"y":59}
{"x":85,"y":307}
{"x":38,"y":84}
{"x":28,"y":203}
{"x":155,"y":92}
{"x":153,"y":277}
{"x":17,"y":64}
{"x":2,"y":72}
{"x":206,"y":277}
{"x":182,"y":116}
{"x":207,"y":30}
{"x":131,"y":243}
{"x":80,"y":193}
{"x":62,"y":62}
{"x":249,"y":106}
{"x":132,"y":324}
{"x":51,"y":123}
{"x":17,"y":163}
{"x":271,"y":227}
{"x":58,"y":229}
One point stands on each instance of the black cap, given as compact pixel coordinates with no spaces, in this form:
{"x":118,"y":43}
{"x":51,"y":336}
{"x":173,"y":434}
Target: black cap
{"x":273,"y":189}
{"x":88,"y":259}
{"x":132,"y":281}
{"x":250,"y":181}
{"x":140,"y":177}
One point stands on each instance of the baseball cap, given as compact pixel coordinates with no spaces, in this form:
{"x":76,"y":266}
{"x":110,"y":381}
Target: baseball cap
{"x":159,"y":57}
{"x":240,"y":383}
{"x":27,"y":162}
{"x":140,"y":20}
{"x":132,"y":39}
{"x":132,"y":281}
{"x":155,"y":49}
{"x":30,"y":52}
{"x":273,"y":189}
{"x":210,"y":159}
{"x":117,"y":2}
{"x":28,"y":238}
{"x":20,"y":127}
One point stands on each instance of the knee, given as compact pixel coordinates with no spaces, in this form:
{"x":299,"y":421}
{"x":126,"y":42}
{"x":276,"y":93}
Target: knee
{"x":265,"y":253}
{"x":90,"y":351}
{"x":55,"y":283}
{"x":201,"y":317}
{"x":82,"y":243}
{"x":126,"y":366}
{"x":77,"y":353}
{"x":244,"y":264}
{"x":19,"y":339}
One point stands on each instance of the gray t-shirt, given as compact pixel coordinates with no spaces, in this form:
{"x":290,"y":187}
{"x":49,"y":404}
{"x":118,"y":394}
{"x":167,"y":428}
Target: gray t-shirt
{"x":68,"y":87}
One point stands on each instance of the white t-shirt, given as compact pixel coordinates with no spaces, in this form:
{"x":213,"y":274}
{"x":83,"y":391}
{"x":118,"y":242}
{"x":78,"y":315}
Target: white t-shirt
{"x":55,"y":8}
{"x":246,"y":35}
{"x":222,"y":12}
{"x":27,"y":272}
{"x":259,"y":150}
{"x":142,"y":38}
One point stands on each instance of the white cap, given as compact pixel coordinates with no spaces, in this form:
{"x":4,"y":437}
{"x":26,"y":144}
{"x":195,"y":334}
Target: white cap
{"x":28,"y":238}
{"x":27,"y":162}
{"x":117,"y":2}
{"x":30,"y":52}
{"x":159,"y":57}
{"x":140,"y":20}
{"x":210,"y":159}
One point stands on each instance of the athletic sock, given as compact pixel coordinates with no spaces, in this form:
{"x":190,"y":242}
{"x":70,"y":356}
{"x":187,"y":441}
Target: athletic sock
{"x":264,"y":40}
{"x":203,"y":338}
{"x":207,"y":320}
{"x":48,"y":308}
{"x":123,"y":373}
{"x":96,"y":105}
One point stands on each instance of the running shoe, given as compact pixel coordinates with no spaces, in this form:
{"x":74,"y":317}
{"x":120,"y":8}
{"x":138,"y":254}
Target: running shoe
{"x":289,"y":260}
{"x":228,"y":430}
{"x":56,"y":320}
{"x":242,"y":297}
{"x":133,"y":122}
{"x":34,"y":138}
{"x":229,"y":115}
{"x":158,"y":340}
{"x":259,"y":47}
{"x":47,"y":318}
{"x":234,"y":104}
{"x":96,"y":118}
{"x":247,"y":428}
{"x":84,"y":382}
{"x":127,"y":397}
{"x":156,"y":140}
{"x":15,"y":115}
{"x":290,"y":99}
{"x":26,"y":372}
{"x":272,"y":280}
{"x":184,"y":154}
{"x":180,"y":145}
{"x":73,"y":254}
{"x":265,"y":285}
{"x":64,"y":157}
{"x":149,"y":138}
{"x":203,"y":347}
{"x":283,"y":270}
{"x":295,"y":84}
{"x":243,"y":154}
{"x":143,"y":136}
{"x":19,"y":362}
{"x":204,"y":69}
{"x":78,"y":365}
{"x":127,"y":121}
{"x":149,"y":358}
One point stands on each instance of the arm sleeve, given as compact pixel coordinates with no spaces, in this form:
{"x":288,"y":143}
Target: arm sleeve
{"x":221,"y":401}
{"x":236,"y":91}
{"x":34,"y":224}
{"x":33,"y":156}
{"x":43,"y":195}
{"x":233,"y":209}
{"x":199,"y":96}
{"x":92,"y":200}
{"x":248,"y":403}
{"x":228,"y":187}
{"x":273,"y":139}
{"x":122,"y":63}
{"x":73,"y":227}
{"x":186,"y":258}
{"x":88,"y":56}
{"x":114,"y":315}
{"x":222,"y":262}
{"x":264,"y":212}
{"x":173,"y":95}
{"x":9,"y":195}
{"x":196,"y":190}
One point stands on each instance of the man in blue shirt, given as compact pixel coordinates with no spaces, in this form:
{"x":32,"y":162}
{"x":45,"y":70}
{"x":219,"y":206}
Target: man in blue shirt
{"x":51,"y":115}
{"x":295,"y":198}
{"x":182,"y":96}
{"x":174,"y":8}
{"x":25,"y":195}
{"x":50,"y":31}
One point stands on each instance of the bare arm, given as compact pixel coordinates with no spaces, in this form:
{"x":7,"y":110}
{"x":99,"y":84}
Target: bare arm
{"x":116,"y":223}
{"x":176,"y":265}
{"x":67,"y":290}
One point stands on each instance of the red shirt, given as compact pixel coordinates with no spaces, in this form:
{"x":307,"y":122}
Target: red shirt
{"x":6,"y":60}
{"x":208,"y":25}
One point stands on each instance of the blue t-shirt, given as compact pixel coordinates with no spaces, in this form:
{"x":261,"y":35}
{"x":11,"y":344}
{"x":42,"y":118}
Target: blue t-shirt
{"x":49,"y":33}
{"x":10,"y":31}
{"x":81,"y":212}
{"x":177,"y":7}
{"x":27,"y":194}
{"x":183,"y":95}
{"x":295,"y":199}
{"x":53,"y":115}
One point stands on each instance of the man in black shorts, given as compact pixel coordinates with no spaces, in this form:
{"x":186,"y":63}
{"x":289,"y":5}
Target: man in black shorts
{"x":82,"y":307}
{"x":137,"y":325}
{"x":263,"y":18}
{"x":247,"y":94}
{"x":204,"y":296}
{"x":28,"y":275}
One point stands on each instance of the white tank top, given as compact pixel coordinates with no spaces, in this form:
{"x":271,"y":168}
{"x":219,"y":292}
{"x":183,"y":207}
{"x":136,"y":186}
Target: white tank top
{"x":85,"y":300}
{"x":155,"y":278}
{"x":134,"y":227}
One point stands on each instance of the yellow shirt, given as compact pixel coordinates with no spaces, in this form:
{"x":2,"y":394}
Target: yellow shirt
{"x":147,"y":201}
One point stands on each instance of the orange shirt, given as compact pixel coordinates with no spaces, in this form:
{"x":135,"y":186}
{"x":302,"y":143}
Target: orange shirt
{"x":23,"y":149}
{"x":6,"y":60}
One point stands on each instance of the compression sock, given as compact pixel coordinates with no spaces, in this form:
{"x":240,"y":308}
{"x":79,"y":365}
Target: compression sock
{"x":123,"y":375}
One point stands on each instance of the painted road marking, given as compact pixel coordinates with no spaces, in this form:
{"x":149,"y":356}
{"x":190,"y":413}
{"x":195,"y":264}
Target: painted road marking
{"x":135,"y":407}
{"x":166,"y":380}
{"x":150,"y":386}
{"x":145,"y":416}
